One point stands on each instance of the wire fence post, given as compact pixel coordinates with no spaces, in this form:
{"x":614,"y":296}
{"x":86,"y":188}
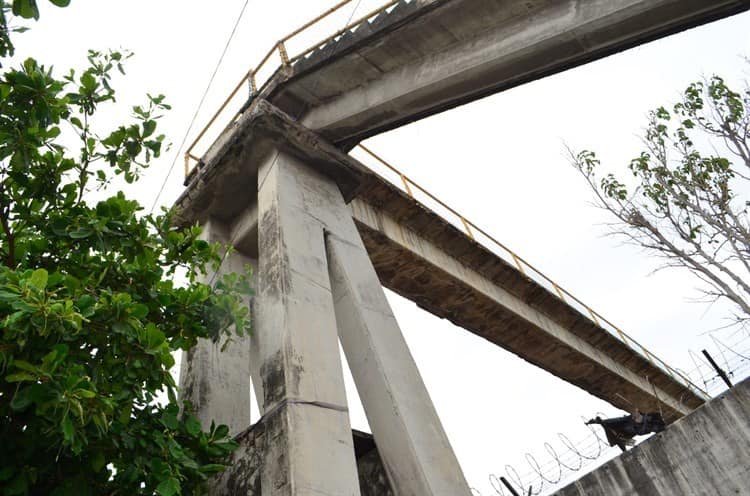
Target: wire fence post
{"x":718,"y":369}
{"x":510,"y":488}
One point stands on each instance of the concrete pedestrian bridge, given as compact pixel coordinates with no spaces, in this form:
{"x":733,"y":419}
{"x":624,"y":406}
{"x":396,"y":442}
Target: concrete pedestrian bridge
{"x":325,"y":232}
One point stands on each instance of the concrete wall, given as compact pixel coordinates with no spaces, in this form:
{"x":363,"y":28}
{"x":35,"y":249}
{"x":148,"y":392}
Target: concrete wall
{"x":704,"y":453}
{"x":243,"y":476}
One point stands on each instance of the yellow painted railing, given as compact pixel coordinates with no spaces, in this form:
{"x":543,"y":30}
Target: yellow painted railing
{"x":250,"y":78}
{"x":471,"y":229}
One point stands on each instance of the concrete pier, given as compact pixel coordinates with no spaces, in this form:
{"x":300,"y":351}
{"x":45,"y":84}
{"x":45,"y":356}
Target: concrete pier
{"x":304,"y":403}
{"x":316,"y":278}
{"x":217,"y":382}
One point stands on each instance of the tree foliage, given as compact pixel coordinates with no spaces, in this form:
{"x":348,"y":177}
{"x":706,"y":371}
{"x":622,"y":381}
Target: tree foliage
{"x":26,"y":9}
{"x":689,"y":204}
{"x":89,"y":312}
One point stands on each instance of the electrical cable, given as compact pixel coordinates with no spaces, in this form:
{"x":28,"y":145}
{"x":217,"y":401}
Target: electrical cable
{"x":234,"y":236}
{"x":200,"y":105}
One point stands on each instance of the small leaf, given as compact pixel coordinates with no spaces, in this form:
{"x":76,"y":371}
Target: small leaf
{"x":192,"y":426}
{"x":169,"y":419}
{"x":148,"y":128}
{"x":39,"y":278}
{"x":85,"y":393}
{"x":8,"y":295}
{"x":81,"y":233}
{"x":68,"y":429}
{"x":98,"y":461}
{"x":212,"y":468}
{"x":139,"y":311}
{"x":154,"y":338}
{"x":20,"y":377}
{"x":169,"y":487}
{"x":26,"y":9}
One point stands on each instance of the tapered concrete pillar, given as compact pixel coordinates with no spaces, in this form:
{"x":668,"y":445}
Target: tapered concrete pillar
{"x":216,"y":382}
{"x":410,"y":438}
{"x":309,"y":448}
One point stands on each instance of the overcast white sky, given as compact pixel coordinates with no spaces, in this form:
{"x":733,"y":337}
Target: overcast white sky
{"x":500,"y":161}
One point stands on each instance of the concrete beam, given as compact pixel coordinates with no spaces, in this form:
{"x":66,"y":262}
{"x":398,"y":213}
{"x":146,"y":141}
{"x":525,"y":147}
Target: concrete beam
{"x":458,"y":51}
{"x":224,"y":182}
{"x":419,"y":269}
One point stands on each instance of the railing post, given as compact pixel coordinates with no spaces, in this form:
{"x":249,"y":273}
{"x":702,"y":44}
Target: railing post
{"x":559,"y":291}
{"x":518,"y":263}
{"x":468,"y":229}
{"x":251,"y":80}
{"x":282,"y":53}
{"x":593,"y":315}
{"x":406,"y":185}
{"x":187,"y":163}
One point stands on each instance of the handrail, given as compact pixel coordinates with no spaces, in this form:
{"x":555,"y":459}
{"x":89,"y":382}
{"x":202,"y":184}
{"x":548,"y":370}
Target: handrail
{"x":280,"y":47}
{"x":525,"y":267}
{"x":317,"y":19}
{"x":341,"y":31}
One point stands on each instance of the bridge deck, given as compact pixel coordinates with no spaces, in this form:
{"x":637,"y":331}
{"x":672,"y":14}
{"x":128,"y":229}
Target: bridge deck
{"x":426,"y":56}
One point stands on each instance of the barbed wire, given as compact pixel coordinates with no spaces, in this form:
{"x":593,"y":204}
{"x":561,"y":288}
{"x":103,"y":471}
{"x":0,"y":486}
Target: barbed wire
{"x":566,"y":459}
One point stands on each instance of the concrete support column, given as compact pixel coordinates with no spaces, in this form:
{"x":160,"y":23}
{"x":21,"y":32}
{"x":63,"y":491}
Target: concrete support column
{"x":410,"y":438}
{"x":309,"y":448}
{"x":216,"y":382}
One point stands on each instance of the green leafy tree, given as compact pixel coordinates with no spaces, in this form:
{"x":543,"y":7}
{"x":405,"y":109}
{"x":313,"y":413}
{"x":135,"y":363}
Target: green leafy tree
{"x":688,"y":204}
{"x":89,"y":313}
{"x":27,"y":9}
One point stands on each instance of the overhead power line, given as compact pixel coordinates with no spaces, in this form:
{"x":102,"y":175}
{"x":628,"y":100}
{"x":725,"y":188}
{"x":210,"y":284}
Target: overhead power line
{"x":200,"y":104}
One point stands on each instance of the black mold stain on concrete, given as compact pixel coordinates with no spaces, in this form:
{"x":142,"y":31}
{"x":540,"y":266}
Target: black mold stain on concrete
{"x":274,"y":380}
{"x":273,"y":262}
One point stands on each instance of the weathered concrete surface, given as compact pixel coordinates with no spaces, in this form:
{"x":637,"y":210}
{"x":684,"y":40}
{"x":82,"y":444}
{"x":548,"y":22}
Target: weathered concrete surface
{"x":413,"y":444}
{"x":243,"y":475}
{"x":706,"y":453}
{"x":314,"y":269}
{"x":224,"y":183}
{"x":520,"y":321}
{"x":431,"y":55}
{"x":309,"y":446}
{"x":216,"y":382}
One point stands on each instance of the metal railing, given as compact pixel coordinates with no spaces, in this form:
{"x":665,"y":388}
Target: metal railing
{"x":250,"y":78}
{"x":410,"y":186}
{"x":472,"y":230}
